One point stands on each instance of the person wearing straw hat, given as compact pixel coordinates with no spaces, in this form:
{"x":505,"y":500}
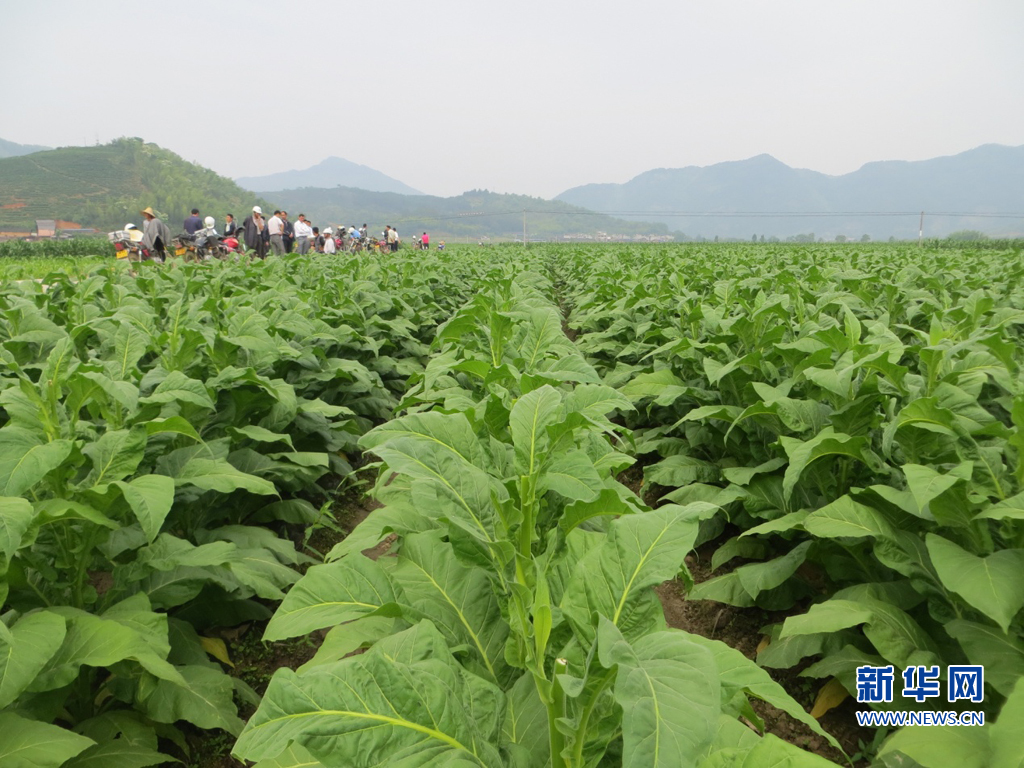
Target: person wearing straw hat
{"x":156,"y":235}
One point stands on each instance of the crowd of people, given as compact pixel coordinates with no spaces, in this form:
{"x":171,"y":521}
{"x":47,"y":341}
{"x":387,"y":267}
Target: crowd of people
{"x":277,"y":235}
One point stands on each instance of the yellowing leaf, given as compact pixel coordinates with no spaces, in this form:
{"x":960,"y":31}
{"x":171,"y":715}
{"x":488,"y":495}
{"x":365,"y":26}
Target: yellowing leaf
{"x":830,"y":696}
{"x":216,"y":648}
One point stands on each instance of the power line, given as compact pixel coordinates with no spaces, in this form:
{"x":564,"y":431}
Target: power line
{"x":720,"y":214}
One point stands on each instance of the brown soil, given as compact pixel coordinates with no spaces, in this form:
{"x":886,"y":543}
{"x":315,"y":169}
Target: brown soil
{"x":740,"y":628}
{"x":256,"y":661}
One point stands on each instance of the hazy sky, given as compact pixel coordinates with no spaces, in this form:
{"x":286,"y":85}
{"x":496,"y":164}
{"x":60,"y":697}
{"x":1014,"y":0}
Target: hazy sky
{"x":528,"y":97}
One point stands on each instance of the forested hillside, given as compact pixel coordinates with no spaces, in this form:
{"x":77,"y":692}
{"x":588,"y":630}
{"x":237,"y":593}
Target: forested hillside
{"x":105,"y":186}
{"x":473,"y":214}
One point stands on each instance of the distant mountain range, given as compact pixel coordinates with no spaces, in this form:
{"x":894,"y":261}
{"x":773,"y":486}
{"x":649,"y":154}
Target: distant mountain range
{"x":332,"y":172}
{"x":104,"y":186}
{"x":10,"y":149}
{"x":988,"y":179}
{"x":474,"y":214}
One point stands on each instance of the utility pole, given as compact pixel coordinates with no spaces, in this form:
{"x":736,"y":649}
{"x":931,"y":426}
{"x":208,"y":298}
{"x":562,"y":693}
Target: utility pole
{"x":920,"y":232}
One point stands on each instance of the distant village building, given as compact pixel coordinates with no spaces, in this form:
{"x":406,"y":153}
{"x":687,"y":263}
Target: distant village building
{"x":46,"y":227}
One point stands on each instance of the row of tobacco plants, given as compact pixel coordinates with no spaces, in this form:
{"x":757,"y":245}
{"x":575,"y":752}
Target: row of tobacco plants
{"x":839,"y":426}
{"x":512,"y":621}
{"x":163,"y":436}
{"x":853,"y":421}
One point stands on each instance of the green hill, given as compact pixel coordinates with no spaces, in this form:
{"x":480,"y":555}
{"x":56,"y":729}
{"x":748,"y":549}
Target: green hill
{"x":105,"y":186}
{"x":473,"y":214}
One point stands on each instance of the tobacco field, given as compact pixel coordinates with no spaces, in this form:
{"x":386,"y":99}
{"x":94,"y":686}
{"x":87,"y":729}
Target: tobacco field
{"x":569,"y":449}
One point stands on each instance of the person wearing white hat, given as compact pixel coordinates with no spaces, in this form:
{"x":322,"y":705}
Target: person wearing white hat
{"x":329,"y":244}
{"x":256,"y":235}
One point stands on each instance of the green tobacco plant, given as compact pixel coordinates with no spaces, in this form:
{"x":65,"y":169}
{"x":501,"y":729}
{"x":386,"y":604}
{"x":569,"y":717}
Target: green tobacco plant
{"x":513,"y":620}
{"x":157,"y":433}
{"x":855,"y":418}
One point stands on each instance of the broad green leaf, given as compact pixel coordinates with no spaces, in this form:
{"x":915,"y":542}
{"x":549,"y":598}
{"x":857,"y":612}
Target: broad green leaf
{"x":331,"y":594}
{"x":923,"y":413}
{"x":260,"y":435}
{"x":378,"y":525}
{"x":261,"y":571}
{"x":993,"y":585}
{"x":761,"y":577}
{"x":526,"y":723}
{"x":571,"y":474}
{"x":595,"y":401}
{"x":458,"y":599}
{"x":1001,"y":654}
{"x":723,"y":589}
{"x":28,"y":743}
{"x":608,"y":502}
{"x":36,"y":638}
{"x":346,"y":638}
{"x":216,"y":475}
{"x":926,"y":484}
{"x":846,"y":517}
{"x":738,"y":673}
{"x":669,"y":693}
{"x":124,"y":392}
{"x":98,"y":642}
{"x":653,"y":385}
{"x":25,"y":459}
{"x":448,"y":432}
{"x":115,"y":455}
{"x":178,"y":387}
{"x":176,"y":425}
{"x":1010,"y":509}
{"x":532,"y":414}
{"x":119,"y":753}
{"x":151,"y":498}
{"x":892,"y":631}
{"x":640,"y":551}
{"x":1006,"y":737}
{"x":404,"y":697}
{"x":826,"y":443}
{"x":940,"y":747}
{"x":204,"y":698}
{"x":15,"y":519}
{"x":130,"y":344}
{"x":449,"y":489}
{"x":676,"y":471}
{"x":295,"y":756}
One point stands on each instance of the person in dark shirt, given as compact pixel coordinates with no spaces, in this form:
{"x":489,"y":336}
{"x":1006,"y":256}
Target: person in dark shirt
{"x":289,"y":233}
{"x":193,"y":223}
{"x":230,"y":227}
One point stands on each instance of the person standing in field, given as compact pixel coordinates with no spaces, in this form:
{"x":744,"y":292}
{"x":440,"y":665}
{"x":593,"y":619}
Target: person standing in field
{"x":275,"y":228}
{"x":303,"y":234}
{"x":289,"y":233}
{"x":156,"y":235}
{"x":425,"y":242}
{"x":392,"y":238}
{"x":193,"y":223}
{"x":255,"y":228}
{"x":318,"y":240}
{"x":329,"y":245}
{"x":230,"y":227}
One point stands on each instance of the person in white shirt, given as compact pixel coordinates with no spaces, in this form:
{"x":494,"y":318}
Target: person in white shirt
{"x":329,"y":246}
{"x":303,"y":234}
{"x":276,"y":229}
